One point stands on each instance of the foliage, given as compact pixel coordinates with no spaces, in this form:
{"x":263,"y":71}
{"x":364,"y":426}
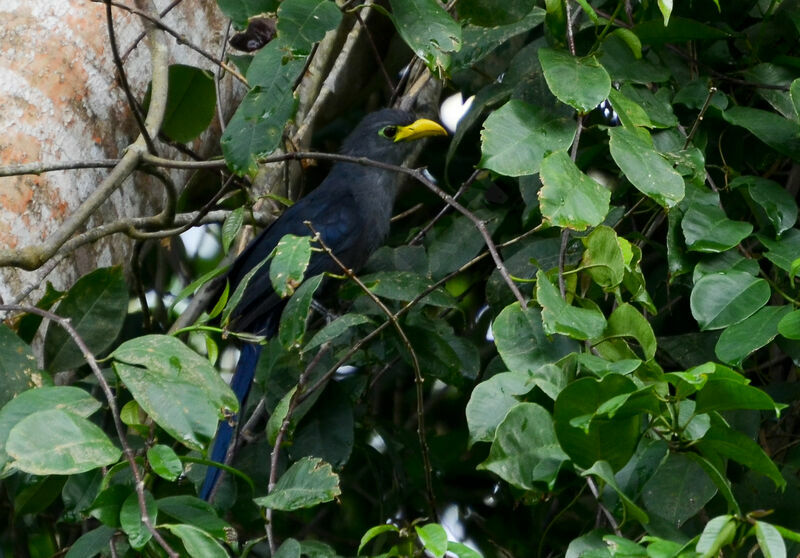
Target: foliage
{"x":637,"y":402}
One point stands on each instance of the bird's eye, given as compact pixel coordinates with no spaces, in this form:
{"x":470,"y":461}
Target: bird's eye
{"x":389,"y":132}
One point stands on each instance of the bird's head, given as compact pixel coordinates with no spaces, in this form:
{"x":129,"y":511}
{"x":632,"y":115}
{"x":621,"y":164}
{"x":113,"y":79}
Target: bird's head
{"x":387,"y":135}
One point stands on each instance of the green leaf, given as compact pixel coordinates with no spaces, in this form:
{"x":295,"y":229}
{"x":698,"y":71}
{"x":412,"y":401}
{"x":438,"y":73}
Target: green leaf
{"x":307,"y":483}
{"x":197,"y":542}
{"x":96,"y":307}
{"x":788,"y":326}
{"x":678,"y":490}
{"x":666,"y":10}
{"x":91,"y":543}
{"x":706,"y":228}
{"x":718,"y":478}
{"x":722,"y":299}
{"x":525,"y":450}
{"x":738,"y":341}
{"x":256,"y":127}
{"x":679,"y":30}
{"x":522,"y":342}
{"x":770,"y":541}
{"x":581,"y":83}
{"x":194,"y":511}
{"x":779,"y":205}
{"x":242,"y":10}
{"x":130,"y":519}
{"x":462,"y":550}
{"x":433,"y":538}
{"x":630,"y":113}
{"x":731,"y":444}
{"x":405,"y":286}
{"x":645,"y":167}
{"x":301,"y":23}
{"x":428,"y":30}
{"x":373,"y":532}
{"x":478,"y":42}
{"x":605,"y":439}
{"x":570,"y":198}
{"x":493,"y":13}
{"x":67,"y":398}
{"x":603,"y":471}
{"x":337,"y":327}
{"x":718,"y":532}
{"x":191,"y":102}
{"x":289,"y":549}
{"x":18,"y":368}
{"x":783,"y":252}
{"x":781,"y":134}
{"x":491,"y":400}
{"x":724,"y":394}
{"x":657,"y":106}
{"x":603,"y":257}
{"x":292,"y":328}
{"x":57,"y":442}
{"x":164,"y":462}
{"x":178,"y":388}
{"x":231,"y":227}
{"x":517,"y":136}
{"x":289,"y":263}
{"x":560,"y":317}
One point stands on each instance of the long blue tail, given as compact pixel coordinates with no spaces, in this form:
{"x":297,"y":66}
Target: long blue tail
{"x":240,"y":384}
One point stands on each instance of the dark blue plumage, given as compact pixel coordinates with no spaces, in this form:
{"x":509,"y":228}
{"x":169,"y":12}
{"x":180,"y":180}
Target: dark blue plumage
{"x":351,"y":209}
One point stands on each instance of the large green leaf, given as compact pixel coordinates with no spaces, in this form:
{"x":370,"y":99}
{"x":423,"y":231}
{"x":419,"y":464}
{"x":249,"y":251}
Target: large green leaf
{"x":198,"y":543}
{"x":491,"y":400}
{"x":525,"y":451}
{"x":783,"y":252}
{"x":603,"y":257}
{"x":256,"y":127}
{"x":678,"y":490}
{"x":308,"y":482}
{"x":427,"y":29}
{"x":645,"y":167}
{"x":57,"y":442}
{"x":781,"y":134}
{"x":517,"y":136}
{"x":18,"y":369}
{"x":178,"y":388}
{"x":96,"y":307}
{"x":722,"y":299}
{"x":67,"y":398}
{"x":478,"y":41}
{"x":581,"y":83}
{"x":191,"y":101}
{"x":732,"y":444}
{"x":570,"y":198}
{"x":241,"y":10}
{"x":778,"y":204}
{"x":521,"y":340}
{"x":563,"y":318}
{"x":740,"y":340}
{"x":492,"y":13}
{"x":605,"y":439}
{"x":301,"y":23}
{"x":706,"y":228}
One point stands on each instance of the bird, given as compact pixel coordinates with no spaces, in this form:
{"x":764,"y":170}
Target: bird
{"x":350,"y":209}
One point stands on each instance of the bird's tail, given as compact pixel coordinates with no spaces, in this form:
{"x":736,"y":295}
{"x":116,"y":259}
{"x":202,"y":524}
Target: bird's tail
{"x":240,"y":384}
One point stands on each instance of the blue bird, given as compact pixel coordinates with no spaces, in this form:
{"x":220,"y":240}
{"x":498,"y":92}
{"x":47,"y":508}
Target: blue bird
{"x":351,"y":210}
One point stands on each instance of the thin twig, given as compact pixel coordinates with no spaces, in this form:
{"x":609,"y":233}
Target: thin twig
{"x":418,"y":379}
{"x":123,"y":80}
{"x":467,"y":183}
{"x":701,"y":114}
{"x":130,"y":455}
{"x":39,"y":167}
{"x":181,"y":39}
{"x":294,"y":401}
{"x":141,"y":35}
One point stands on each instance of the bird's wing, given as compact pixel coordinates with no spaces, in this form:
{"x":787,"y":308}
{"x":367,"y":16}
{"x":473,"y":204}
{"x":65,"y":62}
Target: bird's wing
{"x":333,"y":215}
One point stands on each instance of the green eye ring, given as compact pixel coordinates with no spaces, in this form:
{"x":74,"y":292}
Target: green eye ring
{"x":389,"y":132}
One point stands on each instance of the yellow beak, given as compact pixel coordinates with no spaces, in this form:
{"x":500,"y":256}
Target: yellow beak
{"x":421,"y":128}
